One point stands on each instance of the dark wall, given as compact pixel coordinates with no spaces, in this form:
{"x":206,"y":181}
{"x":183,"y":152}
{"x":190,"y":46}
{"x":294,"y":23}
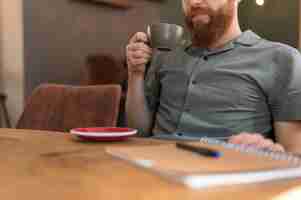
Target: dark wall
{"x":172,"y":12}
{"x":277,"y":20}
{"x":59,"y":34}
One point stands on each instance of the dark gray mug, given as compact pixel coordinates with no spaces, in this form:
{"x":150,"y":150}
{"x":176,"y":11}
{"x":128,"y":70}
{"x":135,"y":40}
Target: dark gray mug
{"x":164,"y":36}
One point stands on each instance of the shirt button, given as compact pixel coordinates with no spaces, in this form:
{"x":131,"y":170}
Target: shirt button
{"x":193,"y":82}
{"x":186,"y":109}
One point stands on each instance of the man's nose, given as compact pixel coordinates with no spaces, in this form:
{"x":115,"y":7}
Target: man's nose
{"x":197,"y":3}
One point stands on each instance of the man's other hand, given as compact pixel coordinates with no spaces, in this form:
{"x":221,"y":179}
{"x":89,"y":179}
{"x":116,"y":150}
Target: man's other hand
{"x":255,"y":140}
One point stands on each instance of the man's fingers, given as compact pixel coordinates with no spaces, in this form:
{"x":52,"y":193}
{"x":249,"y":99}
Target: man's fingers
{"x":140,"y":54}
{"x":255,"y":140}
{"x":245,"y":138}
{"x":139,"y":46}
{"x":139,"y":37}
{"x":278,"y":147}
{"x":270,"y":145}
{"x":138,"y":62}
{"x":265,"y":144}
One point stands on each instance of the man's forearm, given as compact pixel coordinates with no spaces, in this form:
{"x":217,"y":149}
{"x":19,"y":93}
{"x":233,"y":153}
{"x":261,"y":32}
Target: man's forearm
{"x":289,"y":135}
{"x":137,"y":112}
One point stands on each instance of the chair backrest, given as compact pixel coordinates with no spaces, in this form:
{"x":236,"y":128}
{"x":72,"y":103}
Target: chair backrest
{"x":62,"y":107}
{"x":103,"y":69}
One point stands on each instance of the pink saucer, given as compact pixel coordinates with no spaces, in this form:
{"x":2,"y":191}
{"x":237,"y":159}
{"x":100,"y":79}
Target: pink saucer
{"x":103,"y":133}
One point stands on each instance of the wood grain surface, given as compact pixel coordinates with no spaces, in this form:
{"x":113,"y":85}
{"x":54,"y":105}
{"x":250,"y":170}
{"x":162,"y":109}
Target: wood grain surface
{"x":51,"y":165}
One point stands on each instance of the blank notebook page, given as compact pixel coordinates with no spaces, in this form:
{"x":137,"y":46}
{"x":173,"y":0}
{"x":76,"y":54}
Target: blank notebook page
{"x":168,"y":158}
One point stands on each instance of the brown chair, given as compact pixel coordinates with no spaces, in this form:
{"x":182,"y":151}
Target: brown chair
{"x":5,"y":121}
{"x":62,"y":107}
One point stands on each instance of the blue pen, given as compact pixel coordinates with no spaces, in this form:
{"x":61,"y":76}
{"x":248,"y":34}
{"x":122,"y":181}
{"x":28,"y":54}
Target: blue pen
{"x":199,"y":150}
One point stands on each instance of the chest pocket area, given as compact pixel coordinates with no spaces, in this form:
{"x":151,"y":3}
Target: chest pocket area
{"x":224,"y":90}
{"x":174,"y":82}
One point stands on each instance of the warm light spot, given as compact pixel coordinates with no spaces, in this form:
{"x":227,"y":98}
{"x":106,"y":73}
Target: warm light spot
{"x":260,"y":2}
{"x":292,"y":194}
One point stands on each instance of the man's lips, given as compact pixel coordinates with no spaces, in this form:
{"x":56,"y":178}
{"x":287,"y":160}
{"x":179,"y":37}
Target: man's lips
{"x":199,"y":12}
{"x":199,"y":15}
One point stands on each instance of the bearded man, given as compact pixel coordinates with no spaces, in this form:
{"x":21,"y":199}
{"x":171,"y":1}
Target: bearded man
{"x":226,"y":83}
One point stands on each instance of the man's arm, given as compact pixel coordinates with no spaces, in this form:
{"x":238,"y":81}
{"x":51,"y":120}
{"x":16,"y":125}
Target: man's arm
{"x":285,"y":104}
{"x":285,"y":100}
{"x":137,"y":112}
{"x":288,"y":134}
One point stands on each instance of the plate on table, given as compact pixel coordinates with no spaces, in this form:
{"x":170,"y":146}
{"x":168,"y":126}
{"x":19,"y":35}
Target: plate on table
{"x":103,"y":133}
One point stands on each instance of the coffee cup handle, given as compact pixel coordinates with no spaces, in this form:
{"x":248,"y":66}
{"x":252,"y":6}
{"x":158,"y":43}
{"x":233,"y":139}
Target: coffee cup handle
{"x":148,"y":33}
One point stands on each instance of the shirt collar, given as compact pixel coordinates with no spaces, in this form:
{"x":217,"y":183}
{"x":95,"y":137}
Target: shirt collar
{"x":196,"y":51}
{"x":247,"y":38}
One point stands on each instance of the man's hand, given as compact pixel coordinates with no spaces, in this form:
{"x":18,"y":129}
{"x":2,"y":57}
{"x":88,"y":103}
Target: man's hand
{"x":138,"y":53}
{"x":255,"y":140}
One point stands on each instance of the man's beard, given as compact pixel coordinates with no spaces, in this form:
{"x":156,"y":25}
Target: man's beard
{"x":203,"y":35}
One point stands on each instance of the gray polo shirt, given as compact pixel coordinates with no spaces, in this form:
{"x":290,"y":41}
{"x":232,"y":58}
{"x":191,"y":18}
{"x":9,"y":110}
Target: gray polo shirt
{"x":244,"y":86}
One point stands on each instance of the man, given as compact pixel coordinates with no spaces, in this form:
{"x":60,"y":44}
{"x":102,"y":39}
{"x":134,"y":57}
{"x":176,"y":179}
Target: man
{"x":226,"y":83}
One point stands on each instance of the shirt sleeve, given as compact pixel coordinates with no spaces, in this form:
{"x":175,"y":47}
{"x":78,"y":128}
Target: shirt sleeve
{"x":286,"y":104}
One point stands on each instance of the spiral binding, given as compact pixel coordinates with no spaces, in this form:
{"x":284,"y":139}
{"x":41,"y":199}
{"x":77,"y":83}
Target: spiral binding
{"x":295,"y":160}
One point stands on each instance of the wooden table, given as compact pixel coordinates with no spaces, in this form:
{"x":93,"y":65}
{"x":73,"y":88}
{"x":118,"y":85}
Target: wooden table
{"x":50,"y":165}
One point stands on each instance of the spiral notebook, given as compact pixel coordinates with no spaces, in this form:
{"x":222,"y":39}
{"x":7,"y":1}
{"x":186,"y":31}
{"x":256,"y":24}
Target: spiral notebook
{"x":237,"y":165}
